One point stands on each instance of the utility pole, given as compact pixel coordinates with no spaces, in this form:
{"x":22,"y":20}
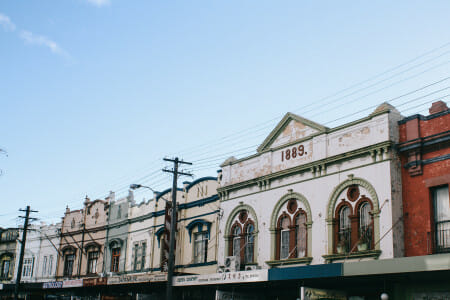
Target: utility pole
{"x":22,"y":248}
{"x":173,"y":223}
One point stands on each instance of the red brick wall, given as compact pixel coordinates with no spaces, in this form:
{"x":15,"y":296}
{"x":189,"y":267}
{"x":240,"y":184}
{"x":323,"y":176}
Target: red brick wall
{"x":417,"y":201}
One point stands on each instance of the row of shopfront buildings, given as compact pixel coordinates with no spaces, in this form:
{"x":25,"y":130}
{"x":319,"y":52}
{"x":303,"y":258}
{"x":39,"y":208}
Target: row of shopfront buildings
{"x":350,"y":212}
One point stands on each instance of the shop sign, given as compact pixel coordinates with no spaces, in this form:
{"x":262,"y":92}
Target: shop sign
{"x":307,"y":293}
{"x":224,"y":295}
{"x":124,"y":279}
{"x":94,"y":281}
{"x":72,"y":283}
{"x":219,"y":278}
{"x":52,"y":285}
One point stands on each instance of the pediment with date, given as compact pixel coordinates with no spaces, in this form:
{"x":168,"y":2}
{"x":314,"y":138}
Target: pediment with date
{"x":290,"y":129}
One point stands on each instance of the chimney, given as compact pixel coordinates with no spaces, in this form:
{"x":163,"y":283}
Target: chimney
{"x":438,"y":107}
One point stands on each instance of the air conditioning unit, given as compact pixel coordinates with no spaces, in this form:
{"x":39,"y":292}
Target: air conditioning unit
{"x":251,"y":267}
{"x":232,"y":264}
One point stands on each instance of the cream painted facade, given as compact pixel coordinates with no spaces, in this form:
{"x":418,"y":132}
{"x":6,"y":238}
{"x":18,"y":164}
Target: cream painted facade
{"x":305,"y":171}
{"x":83,"y":235}
{"x":198,"y":212}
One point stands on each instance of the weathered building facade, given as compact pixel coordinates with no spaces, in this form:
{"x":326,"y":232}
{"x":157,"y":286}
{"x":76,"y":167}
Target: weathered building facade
{"x":83,"y":234}
{"x":315,"y":195}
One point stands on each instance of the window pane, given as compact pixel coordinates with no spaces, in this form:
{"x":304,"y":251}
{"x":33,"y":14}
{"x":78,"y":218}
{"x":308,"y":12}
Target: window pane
{"x":50,"y":265}
{"x":285,"y":222}
{"x":68,"y":264}
{"x":284,"y":253}
{"x":143,"y":252}
{"x":301,"y":241}
{"x":115,"y":260}
{"x":92,"y":261}
{"x":365,"y":228}
{"x":200,"y":247}
{"x":249,"y":244}
{"x":442,"y":218}
{"x":44,"y":266}
{"x":5,"y":268}
{"x":344,"y":229}
{"x":237,"y":241}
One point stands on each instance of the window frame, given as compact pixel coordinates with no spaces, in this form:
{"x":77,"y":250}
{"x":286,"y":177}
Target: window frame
{"x":68,"y":266}
{"x":27,"y":267}
{"x":441,"y":227}
{"x":200,"y":250}
{"x":301,"y":228}
{"x":249,"y":248}
{"x":92,"y":261}
{"x":115,"y":259}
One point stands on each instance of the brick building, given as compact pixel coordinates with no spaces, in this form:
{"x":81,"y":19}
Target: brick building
{"x":425,"y":155}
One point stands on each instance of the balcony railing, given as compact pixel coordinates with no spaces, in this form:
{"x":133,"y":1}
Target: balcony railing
{"x":439,"y":240}
{"x":442,"y":236}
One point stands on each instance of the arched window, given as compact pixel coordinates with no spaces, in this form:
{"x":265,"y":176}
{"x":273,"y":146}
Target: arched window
{"x":353,"y":222}
{"x":115,"y":258}
{"x":249,"y":243}
{"x":292,"y":231}
{"x":301,"y":234}
{"x":285,"y":223}
{"x":242,"y":237}
{"x":345,"y":230}
{"x":237,"y":241}
{"x":69,"y":260}
{"x":365,"y":226}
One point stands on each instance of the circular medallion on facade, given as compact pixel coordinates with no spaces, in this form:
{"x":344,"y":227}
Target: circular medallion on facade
{"x":353,"y":193}
{"x":292,"y":206}
{"x":243,"y":216}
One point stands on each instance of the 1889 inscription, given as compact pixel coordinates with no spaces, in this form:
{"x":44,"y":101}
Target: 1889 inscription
{"x":294,"y":152}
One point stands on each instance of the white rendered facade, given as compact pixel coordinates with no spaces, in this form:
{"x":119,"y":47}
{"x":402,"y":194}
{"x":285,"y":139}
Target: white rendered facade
{"x":315,"y":184}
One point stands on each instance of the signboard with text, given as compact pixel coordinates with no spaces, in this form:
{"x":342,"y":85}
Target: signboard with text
{"x":72,"y":283}
{"x":124,"y":279}
{"x":52,"y":285}
{"x":222,"y":278}
{"x":94,"y":281}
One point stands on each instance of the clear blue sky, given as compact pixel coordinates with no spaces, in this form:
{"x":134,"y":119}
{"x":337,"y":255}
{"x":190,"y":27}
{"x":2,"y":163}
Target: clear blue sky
{"x":93,"y":94}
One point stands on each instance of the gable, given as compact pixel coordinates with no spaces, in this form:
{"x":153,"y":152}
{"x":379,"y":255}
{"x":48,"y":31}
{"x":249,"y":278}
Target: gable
{"x":290,"y":129}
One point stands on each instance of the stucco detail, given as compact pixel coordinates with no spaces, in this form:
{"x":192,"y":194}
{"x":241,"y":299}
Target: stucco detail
{"x":334,"y":198}
{"x":274,"y":217}
{"x":232,"y":216}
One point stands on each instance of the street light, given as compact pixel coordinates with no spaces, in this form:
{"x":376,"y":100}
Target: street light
{"x":135,"y":186}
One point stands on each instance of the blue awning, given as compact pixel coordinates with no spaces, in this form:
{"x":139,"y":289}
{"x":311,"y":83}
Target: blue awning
{"x":304,"y":272}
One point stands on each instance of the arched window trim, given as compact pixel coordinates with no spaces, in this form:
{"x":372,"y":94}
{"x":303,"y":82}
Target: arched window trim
{"x":158,"y":234}
{"x":92,"y":245}
{"x":335,"y":197}
{"x":274,"y":223}
{"x":233,"y":217}
{"x":68,"y":248}
{"x":199,"y":224}
{"x":116,"y":242}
